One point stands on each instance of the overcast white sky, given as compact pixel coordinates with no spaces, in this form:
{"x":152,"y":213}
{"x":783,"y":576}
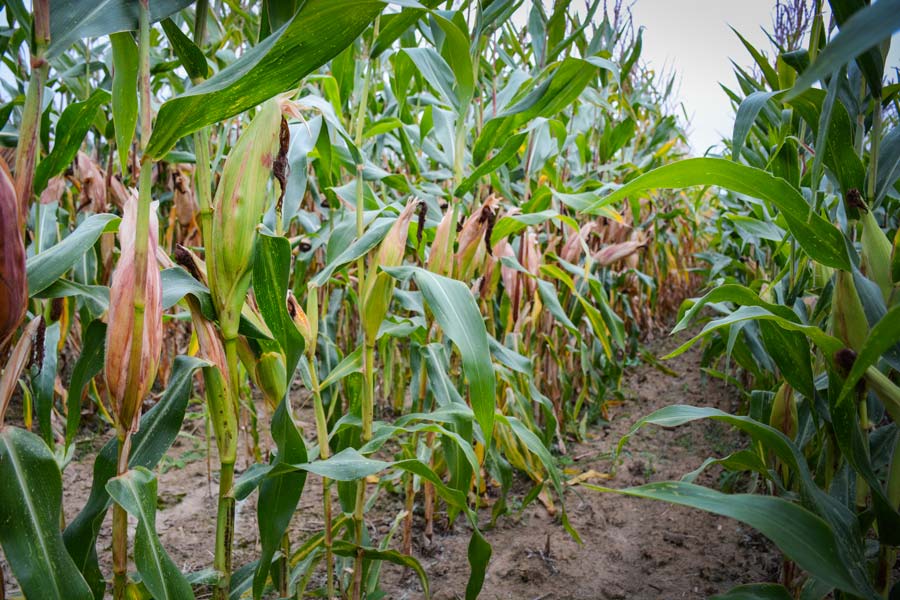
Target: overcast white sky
{"x":692,"y":37}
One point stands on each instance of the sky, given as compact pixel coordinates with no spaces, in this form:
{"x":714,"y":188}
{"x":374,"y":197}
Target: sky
{"x":692,"y":39}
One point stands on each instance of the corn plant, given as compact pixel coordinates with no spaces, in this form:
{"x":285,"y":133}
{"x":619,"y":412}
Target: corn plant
{"x":385,"y":209}
{"x":803,"y":297}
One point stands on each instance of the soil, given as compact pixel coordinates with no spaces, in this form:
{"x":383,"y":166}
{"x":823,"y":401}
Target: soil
{"x":632,"y":548}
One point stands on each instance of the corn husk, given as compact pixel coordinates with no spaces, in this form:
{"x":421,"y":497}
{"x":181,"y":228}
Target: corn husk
{"x":380,"y":286}
{"x":121,"y":319}
{"x":440,"y":253}
{"x":848,"y":319}
{"x":784,"y":415}
{"x":240,"y":202}
{"x":13,"y":282}
{"x":271,"y":376}
{"x":876,"y":255}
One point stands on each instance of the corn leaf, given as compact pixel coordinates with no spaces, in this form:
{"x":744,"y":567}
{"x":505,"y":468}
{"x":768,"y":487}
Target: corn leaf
{"x":135,"y":491}
{"x":73,"y":125}
{"x":317,"y":32}
{"x":124,"y":92}
{"x":455,"y":310}
{"x":279,"y":495}
{"x":71,"y":20}
{"x":158,"y":428}
{"x":818,"y":237}
{"x":88,"y":365}
{"x":45,"y":268}
{"x":871,"y":24}
{"x":30,"y":509}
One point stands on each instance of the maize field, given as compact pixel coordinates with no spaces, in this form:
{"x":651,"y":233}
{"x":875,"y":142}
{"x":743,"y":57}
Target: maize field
{"x":431,"y":298}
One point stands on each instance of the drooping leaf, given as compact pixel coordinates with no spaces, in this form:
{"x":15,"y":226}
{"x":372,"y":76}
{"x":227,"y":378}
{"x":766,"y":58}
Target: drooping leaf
{"x":30,"y":509}
{"x":71,"y":20}
{"x":801,"y":535}
{"x":158,"y":429}
{"x":124,"y":92}
{"x":48,"y":266}
{"x":871,"y":24}
{"x":819,"y":238}
{"x":71,"y":128}
{"x":315,"y":34}
{"x":455,"y":310}
{"x":135,"y":491}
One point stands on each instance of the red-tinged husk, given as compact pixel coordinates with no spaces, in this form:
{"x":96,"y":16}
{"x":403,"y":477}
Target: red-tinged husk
{"x":121,"y":319}
{"x":13,"y":282}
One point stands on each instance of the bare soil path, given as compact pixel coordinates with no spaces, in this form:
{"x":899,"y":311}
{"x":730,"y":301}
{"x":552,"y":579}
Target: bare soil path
{"x":632,"y":548}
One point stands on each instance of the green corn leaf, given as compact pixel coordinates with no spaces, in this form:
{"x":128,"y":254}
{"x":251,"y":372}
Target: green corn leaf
{"x":864,"y":29}
{"x":837,"y":151}
{"x":135,"y":491}
{"x":71,"y":20}
{"x":178,"y":283}
{"x":436,"y":72}
{"x":95,"y":296}
{"x":30,"y":509}
{"x":371,"y":238}
{"x":871,"y":62}
{"x":455,"y":310}
{"x":124,"y":92}
{"x":73,"y":125}
{"x":801,"y":535}
{"x":504,"y":155}
{"x":191,"y":57}
{"x":271,"y":272}
{"x":88,"y":365}
{"x":45,"y":381}
{"x":818,"y":237}
{"x":351,"y":363}
{"x":746,"y":117}
{"x":279,"y":495}
{"x":345,"y":548}
{"x":769,"y":73}
{"x":842,"y":522}
{"x":317,"y":32}
{"x":888,"y":164}
{"x":346,"y":465}
{"x":45,"y":268}
{"x":555,"y":93}
{"x":158,"y":429}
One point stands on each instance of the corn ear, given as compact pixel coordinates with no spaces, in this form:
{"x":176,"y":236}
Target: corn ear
{"x":271,"y":376}
{"x":380,"y":286}
{"x":784,"y":411}
{"x":848,"y":320}
{"x":439,"y":256}
{"x":240,"y":202}
{"x":121,"y":319}
{"x":13,"y":282}
{"x":876,"y":255}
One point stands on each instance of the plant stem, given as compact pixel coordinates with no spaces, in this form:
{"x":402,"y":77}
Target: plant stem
{"x":368,"y":387}
{"x":324,"y":453}
{"x":142,"y":228}
{"x":29,"y":131}
{"x":875,"y":143}
{"x":120,"y":523}
{"x":225,"y":512}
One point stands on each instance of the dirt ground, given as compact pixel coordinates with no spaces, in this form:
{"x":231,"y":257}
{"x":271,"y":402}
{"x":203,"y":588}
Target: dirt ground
{"x":632,"y":548}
